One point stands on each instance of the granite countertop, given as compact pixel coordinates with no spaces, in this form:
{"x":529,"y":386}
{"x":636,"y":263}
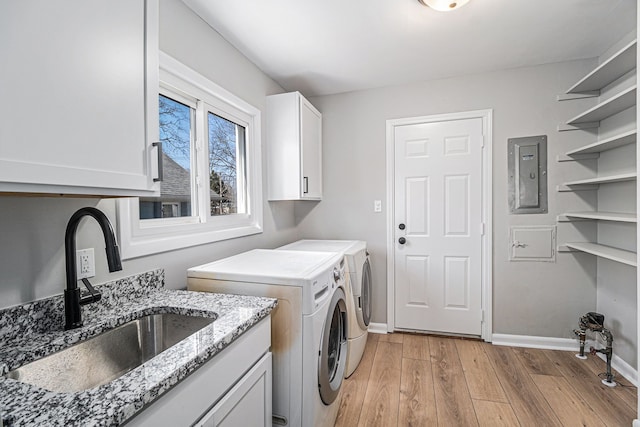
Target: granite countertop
{"x":34,"y":330}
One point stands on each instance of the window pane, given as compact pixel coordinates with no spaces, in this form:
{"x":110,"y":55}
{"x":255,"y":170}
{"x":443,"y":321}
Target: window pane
{"x":226,"y":166}
{"x":176,"y":124}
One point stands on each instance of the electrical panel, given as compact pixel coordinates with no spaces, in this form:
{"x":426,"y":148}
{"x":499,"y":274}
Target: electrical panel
{"x":527,"y":175}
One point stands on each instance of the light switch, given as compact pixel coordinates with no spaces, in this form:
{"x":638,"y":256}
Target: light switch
{"x":377,"y":205}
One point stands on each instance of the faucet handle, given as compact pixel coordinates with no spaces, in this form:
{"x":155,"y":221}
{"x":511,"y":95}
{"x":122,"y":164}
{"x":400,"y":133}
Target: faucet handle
{"x":94,"y":296}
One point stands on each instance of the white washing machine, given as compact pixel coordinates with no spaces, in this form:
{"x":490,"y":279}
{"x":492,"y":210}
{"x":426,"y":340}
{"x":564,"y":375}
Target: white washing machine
{"x":358,"y":290}
{"x":308,"y":327}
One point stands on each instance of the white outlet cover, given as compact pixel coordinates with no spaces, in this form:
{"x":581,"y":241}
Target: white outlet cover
{"x":377,"y":205}
{"x":85,"y":263}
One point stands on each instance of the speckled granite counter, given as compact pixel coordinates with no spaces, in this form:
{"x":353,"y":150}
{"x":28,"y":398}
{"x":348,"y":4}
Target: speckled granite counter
{"x":33,"y":330}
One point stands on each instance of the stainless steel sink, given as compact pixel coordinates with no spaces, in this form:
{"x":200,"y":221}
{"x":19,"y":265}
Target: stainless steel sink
{"x":108,"y":356}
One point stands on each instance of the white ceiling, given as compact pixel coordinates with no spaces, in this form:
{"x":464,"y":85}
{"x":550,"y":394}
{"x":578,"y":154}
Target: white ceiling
{"x":332,"y":46}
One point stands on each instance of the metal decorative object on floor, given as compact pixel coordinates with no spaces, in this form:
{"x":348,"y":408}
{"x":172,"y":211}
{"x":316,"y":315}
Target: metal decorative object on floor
{"x":593,"y":321}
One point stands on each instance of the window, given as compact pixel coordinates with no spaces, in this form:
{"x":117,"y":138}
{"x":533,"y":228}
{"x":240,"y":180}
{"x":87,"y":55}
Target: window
{"x":177,"y":132}
{"x":226,"y":165}
{"x":211,"y":188}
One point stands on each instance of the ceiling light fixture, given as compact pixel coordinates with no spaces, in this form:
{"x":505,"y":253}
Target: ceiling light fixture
{"x":444,"y":5}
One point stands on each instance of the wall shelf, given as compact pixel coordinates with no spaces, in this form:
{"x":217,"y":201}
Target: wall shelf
{"x":608,"y":252}
{"x":605,"y":213}
{"x":602,"y":216}
{"x":604,"y":179}
{"x":616,"y":141}
{"x":577,"y":157}
{"x":607,"y":108}
{"x":563,"y":127}
{"x":613,"y":68}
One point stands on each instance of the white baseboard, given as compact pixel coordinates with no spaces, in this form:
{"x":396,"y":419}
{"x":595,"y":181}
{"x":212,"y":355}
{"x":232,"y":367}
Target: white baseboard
{"x":378,"y":328}
{"x":565,"y":344}
{"x":636,"y":423}
{"x":548,"y":343}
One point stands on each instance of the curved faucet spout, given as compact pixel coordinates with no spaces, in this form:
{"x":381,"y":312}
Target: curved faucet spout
{"x":72,"y":296}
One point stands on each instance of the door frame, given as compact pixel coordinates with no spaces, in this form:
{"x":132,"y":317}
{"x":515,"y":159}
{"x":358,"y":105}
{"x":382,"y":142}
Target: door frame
{"x":487,"y":213}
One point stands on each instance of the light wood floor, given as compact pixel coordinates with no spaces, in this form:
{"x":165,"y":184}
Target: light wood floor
{"x":417,"y":380}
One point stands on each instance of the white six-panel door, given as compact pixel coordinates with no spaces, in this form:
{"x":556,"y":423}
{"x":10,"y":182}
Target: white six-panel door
{"x":438,"y":202}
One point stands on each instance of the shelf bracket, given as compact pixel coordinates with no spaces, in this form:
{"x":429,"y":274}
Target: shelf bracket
{"x":581,"y":187}
{"x":564,"y":248}
{"x":577,"y":157}
{"x":563,"y":127}
{"x":581,"y":95}
{"x":565,"y":218}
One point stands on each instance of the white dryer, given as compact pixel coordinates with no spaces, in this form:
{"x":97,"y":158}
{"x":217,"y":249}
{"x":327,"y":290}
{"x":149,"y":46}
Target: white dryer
{"x":308,"y":327}
{"x":358,"y":289}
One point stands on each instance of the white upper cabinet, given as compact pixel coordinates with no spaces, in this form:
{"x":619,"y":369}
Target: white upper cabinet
{"x":78,"y":85}
{"x":294,"y":141}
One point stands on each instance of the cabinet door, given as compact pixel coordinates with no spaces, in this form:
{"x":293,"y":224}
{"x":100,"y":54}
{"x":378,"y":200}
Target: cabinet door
{"x":248,"y":403}
{"x":73,"y":84}
{"x":311,"y":147}
{"x":294,"y":139}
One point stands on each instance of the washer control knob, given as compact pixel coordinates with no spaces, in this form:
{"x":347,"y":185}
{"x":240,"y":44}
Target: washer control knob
{"x":336,"y":274}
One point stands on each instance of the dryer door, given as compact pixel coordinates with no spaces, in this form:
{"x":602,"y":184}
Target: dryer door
{"x":364,"y":314}
{"x":333,"y":349}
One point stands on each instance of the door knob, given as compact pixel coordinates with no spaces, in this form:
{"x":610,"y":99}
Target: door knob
{"x":401,"y":226}
{"x":402,"y":240}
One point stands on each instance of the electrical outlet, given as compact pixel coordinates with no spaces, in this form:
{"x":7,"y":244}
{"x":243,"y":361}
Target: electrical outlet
{"x":85,"y":263}
{"x":377,"y":205}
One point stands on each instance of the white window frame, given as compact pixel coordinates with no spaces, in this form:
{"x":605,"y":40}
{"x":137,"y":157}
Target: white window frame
{"x":146,"y":237}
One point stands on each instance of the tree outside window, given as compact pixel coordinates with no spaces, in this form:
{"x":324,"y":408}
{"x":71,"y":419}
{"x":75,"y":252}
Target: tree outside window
{"x":226,"y":142}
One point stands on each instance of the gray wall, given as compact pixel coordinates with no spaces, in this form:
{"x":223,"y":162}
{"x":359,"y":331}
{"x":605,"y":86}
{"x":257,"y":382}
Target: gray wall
{"x":32,"y":229}
{"x":540,"y":299}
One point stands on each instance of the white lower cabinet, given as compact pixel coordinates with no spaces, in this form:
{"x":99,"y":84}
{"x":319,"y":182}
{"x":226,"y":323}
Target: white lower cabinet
{"x":248,"y":403}
{"x":232,"y":389}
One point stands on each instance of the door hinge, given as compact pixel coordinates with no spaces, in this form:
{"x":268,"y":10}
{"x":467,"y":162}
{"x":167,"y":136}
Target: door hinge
{"x":482,"y":315}
{"x":482,"y":228}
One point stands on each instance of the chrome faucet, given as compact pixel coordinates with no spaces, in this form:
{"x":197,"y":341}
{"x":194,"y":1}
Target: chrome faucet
{"x":72,"y":296}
